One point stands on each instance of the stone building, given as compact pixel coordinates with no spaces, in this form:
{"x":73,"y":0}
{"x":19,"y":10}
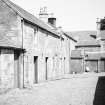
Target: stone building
{"x":31,"y":51}
{"x":90,"y":52}
{"x":67,"y":41}
{"x":70,"y":44}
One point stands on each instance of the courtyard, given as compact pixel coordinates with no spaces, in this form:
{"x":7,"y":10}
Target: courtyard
{"x":77,"y":89}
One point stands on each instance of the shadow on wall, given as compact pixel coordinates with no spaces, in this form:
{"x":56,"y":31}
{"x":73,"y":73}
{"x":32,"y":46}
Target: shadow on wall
{"x":99,"y":98}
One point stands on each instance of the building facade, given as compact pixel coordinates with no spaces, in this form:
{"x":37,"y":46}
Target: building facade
{"x":90,"y":54}
{"x":31,"y":51}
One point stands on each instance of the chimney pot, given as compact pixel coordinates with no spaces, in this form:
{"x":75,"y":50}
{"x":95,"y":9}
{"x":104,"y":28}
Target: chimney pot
{"x":43,"y":15}
{"x":52,"y":21}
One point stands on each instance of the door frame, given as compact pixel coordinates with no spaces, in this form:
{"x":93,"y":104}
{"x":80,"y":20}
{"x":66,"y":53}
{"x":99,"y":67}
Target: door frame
{"x":35,"y":69}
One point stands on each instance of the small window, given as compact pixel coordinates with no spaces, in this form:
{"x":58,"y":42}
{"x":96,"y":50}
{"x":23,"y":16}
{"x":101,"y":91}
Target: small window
{"x":35,"y":37}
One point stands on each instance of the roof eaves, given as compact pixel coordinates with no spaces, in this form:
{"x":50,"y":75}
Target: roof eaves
{"x":76,"y":57}
{"x":13,"y":7}
{"x":70,"y":37}
{"x":88,"y":45}
{"x":93,"y":36}
{"x":12,"y":47}
{"x":42,"y":27}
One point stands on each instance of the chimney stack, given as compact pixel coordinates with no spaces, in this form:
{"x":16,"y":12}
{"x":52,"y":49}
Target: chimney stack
{"x":52,"y":20}
{"x":43,"y":15}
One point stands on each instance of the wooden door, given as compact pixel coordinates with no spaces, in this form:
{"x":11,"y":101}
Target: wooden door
{"x":46,"y":64}
{"x":36,"y":69}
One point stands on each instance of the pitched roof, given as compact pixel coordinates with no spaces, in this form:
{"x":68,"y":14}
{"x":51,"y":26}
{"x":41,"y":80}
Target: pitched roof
{"x":70,"y":36}
{"x":85,"y":38}
{"x":29,"y":17}
{"x":85,"y":43}
{"x":82,"y":35}
{"x":93,"y":36}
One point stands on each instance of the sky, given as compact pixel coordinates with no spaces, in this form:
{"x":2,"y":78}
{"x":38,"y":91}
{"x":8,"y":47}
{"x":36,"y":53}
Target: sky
{"x":72,"y":15}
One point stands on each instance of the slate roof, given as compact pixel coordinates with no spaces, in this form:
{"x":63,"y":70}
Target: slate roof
{"x":85,"y":43}
{"x":29,"y":17}
{"x":85,"y":38}
{"x":94,"y":36}
{"x":70,"y":36}
{"x":82,"y":35}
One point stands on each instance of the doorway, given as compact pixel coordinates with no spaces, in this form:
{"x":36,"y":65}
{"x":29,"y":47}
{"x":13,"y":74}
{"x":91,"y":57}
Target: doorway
{"x":35,"y":69}
{"x":46,"y":64}
{"x":17,"y":69}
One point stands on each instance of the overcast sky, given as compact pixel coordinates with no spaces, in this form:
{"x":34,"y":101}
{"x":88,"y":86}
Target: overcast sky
{"x":72,"y":15}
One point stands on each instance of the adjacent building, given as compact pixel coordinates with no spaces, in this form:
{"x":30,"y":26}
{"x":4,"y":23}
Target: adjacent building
{"x":89,"y":55}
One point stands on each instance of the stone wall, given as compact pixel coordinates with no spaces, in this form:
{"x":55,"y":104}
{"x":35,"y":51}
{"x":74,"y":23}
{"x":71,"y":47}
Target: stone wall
{"x":10,"y":23}
{"x":11,"y":31}
{"x":28,"y":44}
{"x":76,"y":65}
{"x":66,"y":46}
{"x":49,"y":47}
{"x":79,"y":65}
{"x":43,"y":45}
{"x":6,"y":69}
{"x":92,"y":65}
{"x":53,"y":56}
{"x":89,"y":49}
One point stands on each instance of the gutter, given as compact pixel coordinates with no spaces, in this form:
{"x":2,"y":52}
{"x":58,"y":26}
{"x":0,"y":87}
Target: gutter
{"x":69,"y":37}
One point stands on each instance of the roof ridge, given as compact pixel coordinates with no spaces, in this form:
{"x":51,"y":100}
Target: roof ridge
{"x":8,"y":2}
{"x":82,"y":31}
{"x":29,"y":17}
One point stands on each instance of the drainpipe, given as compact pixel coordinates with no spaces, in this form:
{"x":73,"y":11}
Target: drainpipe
{"x":22,"y":27}
{"x":61,"y":50}
{"x":83,"y":60}
{"x":69,"y":57}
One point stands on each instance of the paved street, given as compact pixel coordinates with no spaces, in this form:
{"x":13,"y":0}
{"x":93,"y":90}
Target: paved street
{"x":77,"y":90}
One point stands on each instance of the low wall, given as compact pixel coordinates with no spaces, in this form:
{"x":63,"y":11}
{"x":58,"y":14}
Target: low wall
{"x":77,"y":65}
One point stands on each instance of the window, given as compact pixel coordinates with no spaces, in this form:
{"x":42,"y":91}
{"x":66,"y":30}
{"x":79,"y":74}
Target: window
{"x":35,"y":38}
